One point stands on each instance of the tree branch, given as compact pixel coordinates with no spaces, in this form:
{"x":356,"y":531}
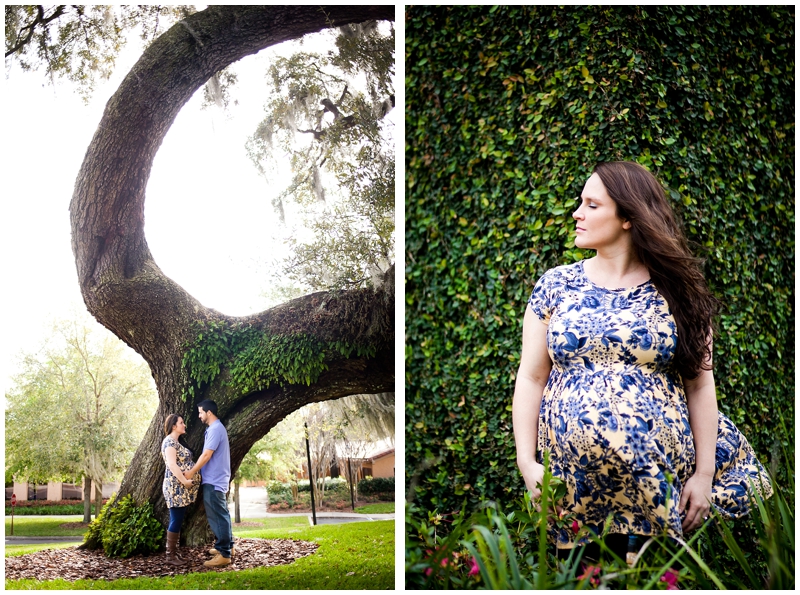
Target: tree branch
{"x":39,"y":20}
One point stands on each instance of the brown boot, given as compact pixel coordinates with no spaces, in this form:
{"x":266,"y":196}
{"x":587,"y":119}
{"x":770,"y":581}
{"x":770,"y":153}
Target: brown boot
{"x":217,"y":561}
{"x":213,"y":551}
{"x":178,"y":548}
{"x":172,"y":549}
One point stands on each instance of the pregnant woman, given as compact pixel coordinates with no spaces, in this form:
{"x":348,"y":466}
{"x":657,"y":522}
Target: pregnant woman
{"x":616,"y":379}
{"x":179,"y":492}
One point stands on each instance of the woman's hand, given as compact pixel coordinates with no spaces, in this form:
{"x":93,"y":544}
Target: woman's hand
{"x":696,"y":501}
{"x":187,"y":482}
{"x":533,"y":473}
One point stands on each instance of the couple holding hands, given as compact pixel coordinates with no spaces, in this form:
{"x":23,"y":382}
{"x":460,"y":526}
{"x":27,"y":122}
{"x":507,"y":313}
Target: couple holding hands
{"x":182,"y":480}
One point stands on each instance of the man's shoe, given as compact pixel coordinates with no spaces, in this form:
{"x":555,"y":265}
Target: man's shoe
{"x":217,"y":561}
{"x":213,"y":551}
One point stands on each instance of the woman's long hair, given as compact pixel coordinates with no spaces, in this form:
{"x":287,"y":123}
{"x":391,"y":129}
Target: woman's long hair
{"x":660,"y":244}
{"x":170,"y":422}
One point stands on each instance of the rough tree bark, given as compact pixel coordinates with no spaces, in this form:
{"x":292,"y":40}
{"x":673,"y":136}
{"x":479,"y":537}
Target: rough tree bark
{"x":127,"y":292}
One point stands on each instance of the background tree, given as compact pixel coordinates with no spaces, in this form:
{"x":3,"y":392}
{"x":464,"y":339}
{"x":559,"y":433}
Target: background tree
{"x":508,"y":109}
{"x":281,"y":451}
{"x":351,"y":450}
{"x":321,"y":440}
{"x":80,"y":43}
{"x":345,"y":429}
{"x":258,"y":368}
{"x":78,"y":409}
{"x":275,"y":455}
{"x":326,"y":117}
{"x":363,"y":420}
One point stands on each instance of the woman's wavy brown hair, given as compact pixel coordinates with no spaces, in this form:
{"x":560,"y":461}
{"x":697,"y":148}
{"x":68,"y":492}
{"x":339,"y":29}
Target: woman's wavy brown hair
{"x":661,"y":245}
{"x":170,"y":422}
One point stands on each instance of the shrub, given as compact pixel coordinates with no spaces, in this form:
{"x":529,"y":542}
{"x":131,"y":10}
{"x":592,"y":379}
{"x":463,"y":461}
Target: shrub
{"x":278,"y":488}
{"x":278,"y":493}
{"x":337,"y":493}
{"x":125,"y":529}
{"x":376,"y":485}
{"x":508,"y":549}
{"x":94,"y":534}
{"x":303,"y":485}
{"x":45,"y":507}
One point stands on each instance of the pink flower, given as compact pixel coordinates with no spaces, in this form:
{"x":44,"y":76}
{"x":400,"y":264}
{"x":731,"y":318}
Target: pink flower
{"x":575,"y":526}
{"x":591,"y":572}
{"x":474,"y":569}
{"x":671,"y":578}
{"x":444,"y":562}
{"x":428,"y":571}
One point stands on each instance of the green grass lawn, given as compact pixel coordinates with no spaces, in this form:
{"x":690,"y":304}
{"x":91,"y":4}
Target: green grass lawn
{"x":378,"y":508}
{"x":34,"y":526}
{"x":350,"y":556}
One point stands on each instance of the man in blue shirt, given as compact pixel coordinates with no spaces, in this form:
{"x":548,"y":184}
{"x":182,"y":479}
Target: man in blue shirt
{"x":216,"y":464}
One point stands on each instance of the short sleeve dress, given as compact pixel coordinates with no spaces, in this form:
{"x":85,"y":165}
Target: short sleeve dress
{"x":176,"y":495}
{"x":614,"y":415}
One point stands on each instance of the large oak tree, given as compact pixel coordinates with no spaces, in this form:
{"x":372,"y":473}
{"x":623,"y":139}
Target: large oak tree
{"x":257,"y":368}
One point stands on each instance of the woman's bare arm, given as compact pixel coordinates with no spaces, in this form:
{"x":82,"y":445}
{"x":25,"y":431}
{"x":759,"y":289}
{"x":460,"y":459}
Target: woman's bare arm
{"x":701,"y":398}
{"x":534,"y":369}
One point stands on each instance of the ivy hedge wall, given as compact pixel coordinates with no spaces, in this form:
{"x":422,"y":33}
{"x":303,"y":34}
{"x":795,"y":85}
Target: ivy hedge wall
{"x":507,"y":111}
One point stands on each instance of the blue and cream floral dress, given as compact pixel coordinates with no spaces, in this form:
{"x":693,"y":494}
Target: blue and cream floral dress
{"x":614,"y":414}
{"x":176,"y":495}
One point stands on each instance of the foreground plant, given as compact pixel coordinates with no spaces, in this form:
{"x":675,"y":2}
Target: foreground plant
{"x":491,"y":549}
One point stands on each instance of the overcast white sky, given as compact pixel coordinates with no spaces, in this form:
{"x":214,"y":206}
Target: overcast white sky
{"x":209,"y":221}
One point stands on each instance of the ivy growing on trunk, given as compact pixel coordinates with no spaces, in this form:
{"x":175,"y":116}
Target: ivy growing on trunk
{"x":257,"y":360}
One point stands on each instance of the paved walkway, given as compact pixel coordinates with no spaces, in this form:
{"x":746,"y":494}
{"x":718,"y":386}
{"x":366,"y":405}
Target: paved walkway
{"x":253,"y":505}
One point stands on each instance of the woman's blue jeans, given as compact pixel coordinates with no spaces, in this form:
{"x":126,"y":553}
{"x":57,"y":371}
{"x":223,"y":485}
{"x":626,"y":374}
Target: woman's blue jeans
{"x":219,"y":519}
{"x":176,"y":519}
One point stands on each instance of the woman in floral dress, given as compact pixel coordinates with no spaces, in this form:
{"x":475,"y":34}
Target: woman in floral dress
{"x":616,"y":380}
{"x":178,"y":491}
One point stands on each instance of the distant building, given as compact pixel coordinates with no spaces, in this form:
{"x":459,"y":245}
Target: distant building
{"x":382,"y":464}
{"x":55,"y":491}
{"x":376,"y":459}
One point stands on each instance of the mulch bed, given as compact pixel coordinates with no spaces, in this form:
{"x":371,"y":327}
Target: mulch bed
{"x":72,"y":564}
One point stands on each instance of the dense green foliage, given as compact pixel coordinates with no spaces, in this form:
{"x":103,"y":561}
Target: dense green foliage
{"x":126,"y":528}
{"x":258,"y":360}
{"x":507,"y":111}
{"x":46,"y":507}
{"x":336,"y":495}
{"x":376,"y":485}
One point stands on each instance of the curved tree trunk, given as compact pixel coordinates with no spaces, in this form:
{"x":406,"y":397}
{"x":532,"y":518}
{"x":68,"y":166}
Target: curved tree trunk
{"x":126,"y":291}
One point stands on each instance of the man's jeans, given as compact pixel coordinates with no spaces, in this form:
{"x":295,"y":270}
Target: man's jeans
{"x":219,"y":519}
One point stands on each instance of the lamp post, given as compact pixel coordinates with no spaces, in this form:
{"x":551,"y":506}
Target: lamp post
{"x":352,"y":481}
{"x":310,"y":477}
{"x":13,"y":504}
